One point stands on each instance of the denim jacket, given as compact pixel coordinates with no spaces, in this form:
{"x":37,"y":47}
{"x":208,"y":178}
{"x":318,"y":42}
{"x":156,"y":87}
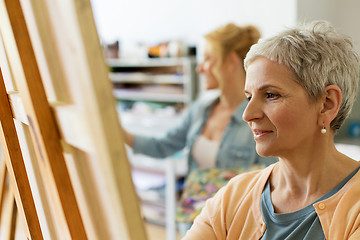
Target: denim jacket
{"x":236,"y":149}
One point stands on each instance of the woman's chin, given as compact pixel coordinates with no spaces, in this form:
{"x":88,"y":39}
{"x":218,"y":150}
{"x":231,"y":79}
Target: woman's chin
{"x":264,"y":152}
{"x":211,"y":85}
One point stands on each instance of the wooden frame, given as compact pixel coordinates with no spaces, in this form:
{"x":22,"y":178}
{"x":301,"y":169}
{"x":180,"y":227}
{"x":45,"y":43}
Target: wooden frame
{"x":61,"y":135}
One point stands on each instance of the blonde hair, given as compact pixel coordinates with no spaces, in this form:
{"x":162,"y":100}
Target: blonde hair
{"x":231,"y":37}
{"x":319,"y":56}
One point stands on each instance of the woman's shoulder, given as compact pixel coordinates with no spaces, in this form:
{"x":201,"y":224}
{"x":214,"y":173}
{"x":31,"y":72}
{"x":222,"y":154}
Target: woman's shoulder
{"x":248,"y":181}
{"x":241,"y":190}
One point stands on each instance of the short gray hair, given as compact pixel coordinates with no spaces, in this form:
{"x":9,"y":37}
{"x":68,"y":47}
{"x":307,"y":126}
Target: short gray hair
{"x":319,"y":56}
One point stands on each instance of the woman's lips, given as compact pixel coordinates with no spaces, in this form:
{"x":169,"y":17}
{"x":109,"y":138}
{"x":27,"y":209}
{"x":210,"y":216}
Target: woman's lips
{"x":259,"y":133}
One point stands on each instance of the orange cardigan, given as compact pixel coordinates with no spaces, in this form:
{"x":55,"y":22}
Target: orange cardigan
{"x":234,"y":212}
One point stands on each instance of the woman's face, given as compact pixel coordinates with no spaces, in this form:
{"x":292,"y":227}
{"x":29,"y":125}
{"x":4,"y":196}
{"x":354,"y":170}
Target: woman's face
{"x":280,"y":113}
{"x":210,"y":67}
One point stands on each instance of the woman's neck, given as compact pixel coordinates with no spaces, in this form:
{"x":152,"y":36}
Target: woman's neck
{"x":232,"y":91}
{"x":231,"y":101}
{"x":298,"y":181}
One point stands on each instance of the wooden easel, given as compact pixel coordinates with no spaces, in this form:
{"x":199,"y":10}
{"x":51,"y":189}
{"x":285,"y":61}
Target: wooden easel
{"x":60,"y":133}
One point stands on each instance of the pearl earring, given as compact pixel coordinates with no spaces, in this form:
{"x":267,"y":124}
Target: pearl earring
{"x":323,"y":130}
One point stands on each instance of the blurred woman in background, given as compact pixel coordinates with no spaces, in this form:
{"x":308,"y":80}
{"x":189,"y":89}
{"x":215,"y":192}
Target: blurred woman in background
{"x":212,"y":130}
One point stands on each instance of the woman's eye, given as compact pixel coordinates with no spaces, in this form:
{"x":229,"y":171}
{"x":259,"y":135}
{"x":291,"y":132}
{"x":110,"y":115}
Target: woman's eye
{"x":271,"y":95}
{"x":248,"y":98}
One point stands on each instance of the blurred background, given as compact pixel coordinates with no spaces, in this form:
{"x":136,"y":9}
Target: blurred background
{"x":152,"y":48}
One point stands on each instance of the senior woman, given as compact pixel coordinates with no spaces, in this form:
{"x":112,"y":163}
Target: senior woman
{"x":301,"y":85}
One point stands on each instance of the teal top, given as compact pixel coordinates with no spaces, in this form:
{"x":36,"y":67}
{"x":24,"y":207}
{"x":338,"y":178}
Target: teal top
{"x":301,"y":224}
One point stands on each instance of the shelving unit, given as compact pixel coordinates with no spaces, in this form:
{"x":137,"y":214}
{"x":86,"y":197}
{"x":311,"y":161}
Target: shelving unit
{"x":166,"y":82}
{"x":159,"y":80}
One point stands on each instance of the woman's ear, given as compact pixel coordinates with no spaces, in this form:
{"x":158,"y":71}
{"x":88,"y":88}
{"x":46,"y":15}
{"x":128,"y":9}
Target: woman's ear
{"x":330,"y":104}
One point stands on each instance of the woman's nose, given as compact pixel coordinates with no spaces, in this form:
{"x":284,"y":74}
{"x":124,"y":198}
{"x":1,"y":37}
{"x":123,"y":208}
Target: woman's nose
{"x":252,"y":111}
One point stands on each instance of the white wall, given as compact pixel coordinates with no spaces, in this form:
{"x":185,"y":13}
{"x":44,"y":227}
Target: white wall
{"x":154,"y":21}
{"x":343,"y":14}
